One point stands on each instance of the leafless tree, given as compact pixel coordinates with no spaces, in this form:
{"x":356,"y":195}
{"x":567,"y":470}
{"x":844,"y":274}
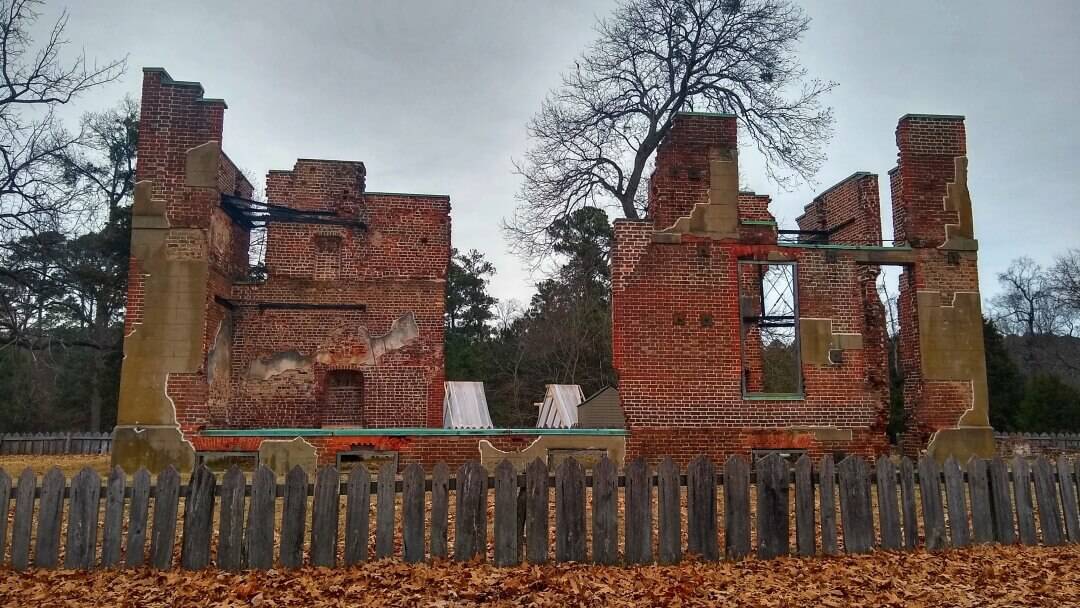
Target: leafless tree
{"x":62,"y":195}
{"x":1064,"y":282}
{"x":595,"y":135}
{"x":1025,"y":306}
{"x":35,"y":185}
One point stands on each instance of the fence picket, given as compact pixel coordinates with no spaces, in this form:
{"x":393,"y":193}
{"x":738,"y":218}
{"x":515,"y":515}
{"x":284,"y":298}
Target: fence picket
{"x":1001,"y":507}
{"x":113,"y":528}
{"x":907,"y":503}
{"x":638,"y":520}
{"x":805,"y":541}
{"x":856,"y":517}
{"x":5,"y":499}
{"x":888,"y":512}
{"x":772,"y":506}
{"x":959,"y":531}
{"x":669,"y":512}
{"x":470,"y":529}
{"x":138,"y":513}
{"x":324,"y":518}
{"x":827,"y":505}
{"x":412,"y":513}
{"x":230,"y":550}
{"x":198,"y":519}
{"x":293,"y":519}
{"x":1065,"y":481}
{"x":933,"y":511}
{"x":536,"y":512}
{"x":506,"y":530}
{"x":24,"y":516}
{"x":384,"y":511}
{"x":1049,"y":509}
{"x":81,"y":548}
{"x":736,"y":508}
{"x":1025,"y":509}
{"x":701,"y":509}
{"x":569,"y":512}
{"x":440,"y":510}
{"x":163,"y":534}
{"x":259,"y":531}
{"x":50,"y":513}
{"x":357,"y":515}
{"x":605,"y":512}
{"x":982,"y":518}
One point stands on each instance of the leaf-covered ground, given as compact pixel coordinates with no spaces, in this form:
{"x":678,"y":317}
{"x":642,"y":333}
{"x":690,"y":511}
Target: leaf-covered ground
{"x":982,"y":576}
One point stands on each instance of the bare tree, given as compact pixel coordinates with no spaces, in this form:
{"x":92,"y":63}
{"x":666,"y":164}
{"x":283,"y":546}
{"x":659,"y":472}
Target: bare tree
{"x":63,"y":224}
{"x":1063,"y":279}
{"x":594,"y":135}
{"x":1025,"y":306}
{"x":35,"y":186}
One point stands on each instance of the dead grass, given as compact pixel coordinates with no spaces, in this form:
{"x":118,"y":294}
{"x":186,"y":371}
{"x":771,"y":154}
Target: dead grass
{"x":69,"y":464}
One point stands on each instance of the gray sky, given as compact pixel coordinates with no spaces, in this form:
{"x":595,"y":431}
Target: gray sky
{"x":434,"y":96}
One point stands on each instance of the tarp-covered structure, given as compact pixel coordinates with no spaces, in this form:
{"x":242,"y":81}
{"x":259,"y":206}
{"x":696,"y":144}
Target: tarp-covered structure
{"x":559,"y":408}
{"x":465,"y":406}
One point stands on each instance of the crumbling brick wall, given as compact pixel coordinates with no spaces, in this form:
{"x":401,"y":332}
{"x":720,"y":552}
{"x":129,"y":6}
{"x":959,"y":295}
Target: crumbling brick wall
{"x":689,"y":376}
{"x":941,"y":345}
{"x":352,"y":309}
{"x":676,"y":315}
{"x":392,"y":274}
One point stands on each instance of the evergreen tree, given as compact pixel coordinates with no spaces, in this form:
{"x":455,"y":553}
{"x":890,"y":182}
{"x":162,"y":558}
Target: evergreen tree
{"x":1049,"y":406}
{"x":1005,"y":384}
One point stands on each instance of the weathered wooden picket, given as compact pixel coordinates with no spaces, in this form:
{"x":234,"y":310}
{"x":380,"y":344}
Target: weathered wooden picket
{"x":55,"y":443}
{"x":982,"y":502}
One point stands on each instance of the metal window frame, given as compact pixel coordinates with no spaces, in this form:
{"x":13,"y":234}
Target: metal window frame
{"x":800,"y":393}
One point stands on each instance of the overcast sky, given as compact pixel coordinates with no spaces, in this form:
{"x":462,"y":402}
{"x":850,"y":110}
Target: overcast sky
{"x":434,"y":96}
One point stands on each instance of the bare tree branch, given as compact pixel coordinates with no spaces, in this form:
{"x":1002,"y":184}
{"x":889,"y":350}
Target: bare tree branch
{"x":594,"y":136}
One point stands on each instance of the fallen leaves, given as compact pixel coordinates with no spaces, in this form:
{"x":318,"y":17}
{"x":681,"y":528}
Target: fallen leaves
{"x":979,"y":576}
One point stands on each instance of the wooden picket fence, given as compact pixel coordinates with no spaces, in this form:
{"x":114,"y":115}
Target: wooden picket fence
{"x":982,"y":502}
{"x":55,"y":443}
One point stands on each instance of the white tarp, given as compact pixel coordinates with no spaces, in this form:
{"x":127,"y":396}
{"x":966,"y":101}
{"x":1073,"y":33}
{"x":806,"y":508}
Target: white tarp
{"x":559,"y":409}
{"x":465,"y":406}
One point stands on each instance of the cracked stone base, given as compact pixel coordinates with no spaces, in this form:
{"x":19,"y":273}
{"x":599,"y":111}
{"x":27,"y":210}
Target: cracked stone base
{"x":962,"y":444}
{"x":152,"y":447}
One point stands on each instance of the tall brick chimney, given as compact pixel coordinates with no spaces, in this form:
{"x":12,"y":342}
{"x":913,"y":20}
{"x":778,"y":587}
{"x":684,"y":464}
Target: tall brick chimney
{"x":942,"y":354}
{"x":684,"y":164}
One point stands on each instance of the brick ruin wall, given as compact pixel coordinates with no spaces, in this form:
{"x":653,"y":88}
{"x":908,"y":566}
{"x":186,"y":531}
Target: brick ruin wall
{"x":346,"y":328}
{"x":676,"y":303}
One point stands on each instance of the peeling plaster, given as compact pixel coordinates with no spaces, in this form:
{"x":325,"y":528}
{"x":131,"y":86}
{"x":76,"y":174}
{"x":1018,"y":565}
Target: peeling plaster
{"x":491,"y":456}
{"x":278,"y":363}
{"x":281,"y":455}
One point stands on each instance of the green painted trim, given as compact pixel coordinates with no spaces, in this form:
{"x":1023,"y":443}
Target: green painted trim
{"x":845,"y":247}
{"x":757,"y":222}
{"x":774,"y":397}
{"x":402,"y":432}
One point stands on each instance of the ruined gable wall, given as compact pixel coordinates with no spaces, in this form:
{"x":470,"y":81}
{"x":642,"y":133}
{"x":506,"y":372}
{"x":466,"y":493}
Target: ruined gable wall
{"x":676,"y":325}
{"x":395,"y":269}
{"x":852,"y":208}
